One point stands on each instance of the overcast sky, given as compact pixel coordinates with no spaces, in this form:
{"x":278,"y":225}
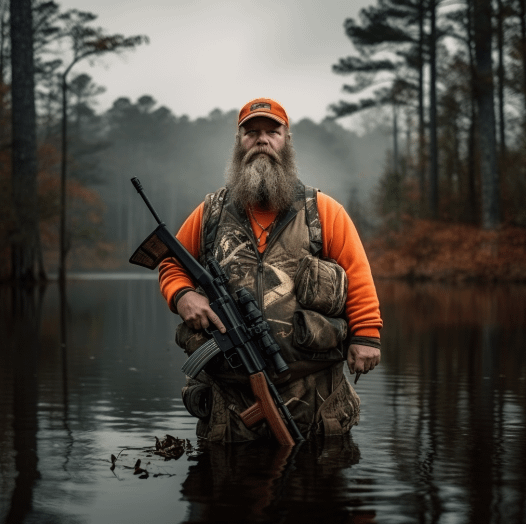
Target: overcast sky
{"x":206,"y":54}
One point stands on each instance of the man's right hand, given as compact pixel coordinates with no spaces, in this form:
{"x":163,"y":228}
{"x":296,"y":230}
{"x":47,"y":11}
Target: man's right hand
{"x":196,"y":312}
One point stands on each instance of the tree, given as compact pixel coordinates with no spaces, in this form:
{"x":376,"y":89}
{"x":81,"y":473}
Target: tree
{"x":396,"y":26}
{"x":367,"y":70}
{"x":412,"y":15}
{"x":3,"y":38}
{"x":84,"y":92}
{"x":25,"y":239}
{"x":501,"y":77}
{"x":460,"y":28}
{"x":522,"y":21}
{"x":85,"y":41}
{"x":433,"y":147}
{"x":486,"y":114}
{"x":4,"y":42}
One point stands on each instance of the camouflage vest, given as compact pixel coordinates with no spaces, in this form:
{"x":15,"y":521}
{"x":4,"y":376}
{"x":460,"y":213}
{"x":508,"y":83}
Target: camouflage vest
{"x":269,"y":276}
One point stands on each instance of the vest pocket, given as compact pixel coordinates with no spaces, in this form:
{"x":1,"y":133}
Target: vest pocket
{"x":315,"y":332}
{"x":197,"y":399}
{"x":321,"y":285}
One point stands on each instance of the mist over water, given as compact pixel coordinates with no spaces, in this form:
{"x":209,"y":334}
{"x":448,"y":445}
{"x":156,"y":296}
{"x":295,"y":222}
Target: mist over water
{"x":442,"y":436}
{"x":179,"y":161}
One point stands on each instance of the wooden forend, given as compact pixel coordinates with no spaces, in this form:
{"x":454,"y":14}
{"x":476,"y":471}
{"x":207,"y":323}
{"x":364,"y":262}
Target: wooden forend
{"x":266,"y":409}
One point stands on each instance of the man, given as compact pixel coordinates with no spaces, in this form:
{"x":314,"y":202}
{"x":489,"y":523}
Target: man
{"x":294,"y":249}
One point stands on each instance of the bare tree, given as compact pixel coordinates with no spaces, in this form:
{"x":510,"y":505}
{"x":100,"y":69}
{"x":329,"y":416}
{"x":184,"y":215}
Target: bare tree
{"x":85,"y":41}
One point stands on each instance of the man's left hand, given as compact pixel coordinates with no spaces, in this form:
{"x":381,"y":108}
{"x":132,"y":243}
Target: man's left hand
{"x":362,"y":359}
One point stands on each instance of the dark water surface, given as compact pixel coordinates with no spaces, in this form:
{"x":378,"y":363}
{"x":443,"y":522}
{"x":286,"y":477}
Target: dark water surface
{"x":442,"y":436}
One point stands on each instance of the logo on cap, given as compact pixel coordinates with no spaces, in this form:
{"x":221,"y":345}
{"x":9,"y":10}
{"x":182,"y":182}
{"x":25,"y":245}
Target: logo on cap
{"x":260,"y":105}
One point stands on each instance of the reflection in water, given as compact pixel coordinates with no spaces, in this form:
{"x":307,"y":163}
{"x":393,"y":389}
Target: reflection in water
{"x":462,"y":354}
{"x":64,"y":357}
{"x":255,"y":482}
{"x":442,"y":436}
{"x":22,"y":346}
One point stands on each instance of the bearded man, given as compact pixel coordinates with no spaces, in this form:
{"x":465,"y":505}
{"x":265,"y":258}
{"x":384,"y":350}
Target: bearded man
{"x":297,"y":251}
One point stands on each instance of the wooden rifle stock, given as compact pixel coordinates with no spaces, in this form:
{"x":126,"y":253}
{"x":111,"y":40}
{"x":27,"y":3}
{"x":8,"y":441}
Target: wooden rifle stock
{"x":265,"y":409}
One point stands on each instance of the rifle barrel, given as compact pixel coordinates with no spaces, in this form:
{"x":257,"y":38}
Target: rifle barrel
{"x":138,"y":186}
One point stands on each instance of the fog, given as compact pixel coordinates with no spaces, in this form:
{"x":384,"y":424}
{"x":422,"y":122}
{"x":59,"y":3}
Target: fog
{"x":179,"y":161}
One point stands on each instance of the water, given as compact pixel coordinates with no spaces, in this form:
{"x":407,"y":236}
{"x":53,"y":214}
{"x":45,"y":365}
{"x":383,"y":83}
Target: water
{"x":442,"y":436}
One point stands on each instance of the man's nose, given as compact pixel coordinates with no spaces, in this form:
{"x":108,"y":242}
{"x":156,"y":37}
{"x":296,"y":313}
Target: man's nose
{"x":262,"y":138}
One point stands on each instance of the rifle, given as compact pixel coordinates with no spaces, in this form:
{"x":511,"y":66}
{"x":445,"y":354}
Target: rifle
{"x":247,"y":340}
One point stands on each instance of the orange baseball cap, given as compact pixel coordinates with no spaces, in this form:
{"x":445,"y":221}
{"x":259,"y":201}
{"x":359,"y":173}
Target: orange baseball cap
{"x":263,"y":107}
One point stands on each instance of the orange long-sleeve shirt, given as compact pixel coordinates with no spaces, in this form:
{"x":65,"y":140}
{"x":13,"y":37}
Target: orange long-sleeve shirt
{"x":340,"y":243}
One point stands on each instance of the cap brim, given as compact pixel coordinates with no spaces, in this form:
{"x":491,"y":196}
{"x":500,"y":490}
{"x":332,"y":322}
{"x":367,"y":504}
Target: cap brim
{"x":264,"y":114}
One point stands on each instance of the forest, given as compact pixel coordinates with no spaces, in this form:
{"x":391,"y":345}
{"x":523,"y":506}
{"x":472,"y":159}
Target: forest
{"x":453,"y":77}
{"x":436,"y":193}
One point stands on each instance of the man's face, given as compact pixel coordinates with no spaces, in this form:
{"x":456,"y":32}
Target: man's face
{"x":263,"y":132}
{"x":263,"y":170}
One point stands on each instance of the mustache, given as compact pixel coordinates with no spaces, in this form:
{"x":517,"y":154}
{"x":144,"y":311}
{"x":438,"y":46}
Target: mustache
{"x":257,"y":150}
{"x":262,"y":176}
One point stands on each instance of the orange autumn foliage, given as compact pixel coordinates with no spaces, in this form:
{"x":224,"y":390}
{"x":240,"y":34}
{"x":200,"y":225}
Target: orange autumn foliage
{"x":85,"y":209}
{"x":440,"y":251}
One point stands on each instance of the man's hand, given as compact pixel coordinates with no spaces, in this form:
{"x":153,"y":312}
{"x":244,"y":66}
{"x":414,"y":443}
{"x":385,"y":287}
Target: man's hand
{"x":196,"y":313}
{"x":362,"y":359}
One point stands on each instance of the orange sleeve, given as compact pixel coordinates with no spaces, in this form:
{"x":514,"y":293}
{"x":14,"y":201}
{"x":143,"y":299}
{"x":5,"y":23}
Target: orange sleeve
{"x":172,"y":277}
{"x":342,"y":243}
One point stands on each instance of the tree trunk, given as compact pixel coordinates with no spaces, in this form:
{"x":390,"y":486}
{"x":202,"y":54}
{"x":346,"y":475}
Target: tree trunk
{"x":433,"y":151}
{"x":472,"y":166}
{"x":486,"y":114}
{"x":25,"y":239}
{"x":456,"y":160}
{"x":2,"y":44}
{"x":500,"y":73}
{"x":396,"y":166}
{"x":522,"y":8}
{"x":63,"y":248}
{"x":421,"y":122}
{"x":4,"y":133}
{"x":472,"y":215}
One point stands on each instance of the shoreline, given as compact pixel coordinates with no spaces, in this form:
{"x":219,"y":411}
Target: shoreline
{"x":426,"y":250}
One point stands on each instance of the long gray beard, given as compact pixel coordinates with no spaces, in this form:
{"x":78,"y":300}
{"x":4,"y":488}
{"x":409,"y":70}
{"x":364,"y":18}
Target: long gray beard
{"x":267,"y":181}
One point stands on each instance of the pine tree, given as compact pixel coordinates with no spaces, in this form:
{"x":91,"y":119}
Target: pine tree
{"x":397,"y":26}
